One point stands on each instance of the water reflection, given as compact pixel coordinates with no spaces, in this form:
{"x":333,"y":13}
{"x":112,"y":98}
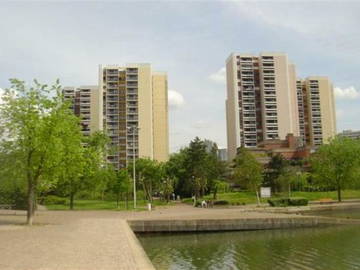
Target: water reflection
{"x":315,"y":248}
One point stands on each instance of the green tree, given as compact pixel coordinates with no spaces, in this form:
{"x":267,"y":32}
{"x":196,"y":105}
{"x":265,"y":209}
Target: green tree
{"x":121,"y":184}
{"x":167,"y":188}
{"x":196,"y":168}
{"x":336,"y":165}
{"x":149,"y":174}
{"x":248,"y":171}
{"x":289,"y":177}
{"x":274,"y":169}
{"x":33,"y":122}
{"x":83,"y":166}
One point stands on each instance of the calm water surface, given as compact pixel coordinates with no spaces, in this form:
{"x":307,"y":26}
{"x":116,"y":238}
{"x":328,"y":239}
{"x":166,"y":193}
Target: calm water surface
{"x":329,"y":248}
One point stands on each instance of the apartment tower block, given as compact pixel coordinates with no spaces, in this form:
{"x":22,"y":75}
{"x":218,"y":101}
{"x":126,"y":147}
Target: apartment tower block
{"x":85,"y":102}
{"x":135,"y":112}
{"x":130,"y":104}
{"x":265,"y":101}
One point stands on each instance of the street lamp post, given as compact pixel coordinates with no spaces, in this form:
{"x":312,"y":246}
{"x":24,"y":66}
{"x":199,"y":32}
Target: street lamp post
{"x":133,"y":129}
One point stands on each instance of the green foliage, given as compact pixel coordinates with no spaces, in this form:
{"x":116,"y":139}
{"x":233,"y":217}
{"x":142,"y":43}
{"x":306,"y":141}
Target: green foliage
{"x":52,"y":199}
{"x":248,"y":171}
{"x":149,"y":175}
{"x":274,"y":169}
{"x":336,"y":165}
{"x":283,"y":202}
{"x":35,"y":128}
{"x":196,"y":168}
{"x":298,"y":201}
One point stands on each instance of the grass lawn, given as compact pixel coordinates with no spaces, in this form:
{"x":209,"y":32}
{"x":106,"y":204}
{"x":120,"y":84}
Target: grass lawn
{"x":245,"y":197}
{"x":103,"y":205}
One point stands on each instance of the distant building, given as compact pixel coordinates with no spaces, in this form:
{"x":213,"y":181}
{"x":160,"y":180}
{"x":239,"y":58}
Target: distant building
{"x":316,"y":110}
{"x":135,"y":97}
{"x":265,"y":101}
{"x":222,"y":154}
{"x":290,"y":148}
{"x":131,"y":106}
{"x":350,"y":134}
{"x":85,"y":102}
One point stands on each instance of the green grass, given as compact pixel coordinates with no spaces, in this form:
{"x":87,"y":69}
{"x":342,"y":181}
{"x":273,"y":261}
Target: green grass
{"x":245,"y":197}
{"x":103,"y":205}
{"x":313,"y":196}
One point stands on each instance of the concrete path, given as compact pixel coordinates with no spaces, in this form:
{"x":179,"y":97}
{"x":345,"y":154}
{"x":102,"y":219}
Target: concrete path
{"x":70,"y":241}
{"x":93,"y":240}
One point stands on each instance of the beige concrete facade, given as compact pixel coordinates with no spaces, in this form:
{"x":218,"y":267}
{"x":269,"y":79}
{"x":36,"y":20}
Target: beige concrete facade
{"x":87,"y":105}
{"x":320,"y":110}
{"x":261,"y":99}
{"x":232,"y":108}
{"x":265,"y":101}
{"x":136,"y":113}
{"x":145,"y":101}
{"x":160,"y":117}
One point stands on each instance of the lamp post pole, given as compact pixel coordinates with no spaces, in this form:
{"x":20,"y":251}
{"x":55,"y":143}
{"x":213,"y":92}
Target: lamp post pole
{"x":133,"y":129}
{"x":134,"y":170}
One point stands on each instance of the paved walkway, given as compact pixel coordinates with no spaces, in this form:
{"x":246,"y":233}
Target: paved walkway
{"x":91,"y":240}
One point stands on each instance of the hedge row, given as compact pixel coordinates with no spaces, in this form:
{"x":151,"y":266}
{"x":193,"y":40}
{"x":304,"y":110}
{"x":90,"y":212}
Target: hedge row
{"x":283,"y":202}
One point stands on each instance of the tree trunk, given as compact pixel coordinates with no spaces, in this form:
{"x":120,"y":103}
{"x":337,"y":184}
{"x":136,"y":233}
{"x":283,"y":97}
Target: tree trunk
{"x":127,"y":200}
{"x":117,"y":200}
{"x":30,"y":206}
{"x":215,"y":193}
{"x":289,"y":190}
{"x":72,"y":195}
{"x":339,"y":193}
{"x":257,"y":197}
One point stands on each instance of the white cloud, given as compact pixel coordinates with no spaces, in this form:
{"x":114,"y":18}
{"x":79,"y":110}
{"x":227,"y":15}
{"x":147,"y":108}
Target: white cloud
{"x":219,"y":76}
{"x":200,"y":124}
{"x":346,"y":93}
{"x":175,"y":99}
{"x":331,"y":25}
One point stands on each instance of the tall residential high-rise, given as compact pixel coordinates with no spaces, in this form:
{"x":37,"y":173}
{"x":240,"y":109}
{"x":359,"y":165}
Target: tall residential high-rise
{"x":87,"y":105}
{"x":318,"y":107}
{"x":265,"y":101}
{"x":131,"y":106}
{"x":261,"y":99}
{"x":135,"y":112}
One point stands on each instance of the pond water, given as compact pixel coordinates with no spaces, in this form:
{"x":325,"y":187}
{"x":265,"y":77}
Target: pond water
{"x":330,"y":248}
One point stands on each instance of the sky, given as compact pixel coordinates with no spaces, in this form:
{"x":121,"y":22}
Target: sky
{"x":190,"y":40}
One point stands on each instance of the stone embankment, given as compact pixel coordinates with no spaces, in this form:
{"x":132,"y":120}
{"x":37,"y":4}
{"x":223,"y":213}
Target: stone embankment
{"x":103,"y":240}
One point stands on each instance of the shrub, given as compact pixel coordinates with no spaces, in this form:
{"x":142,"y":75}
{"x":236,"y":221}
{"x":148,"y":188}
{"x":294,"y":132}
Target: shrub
{"x":298,"y":201}
{"x":198,"y":203}
{"x":279,"y":202}
{"x":283,"y":202}
{"x":15,"y":197}
{"x":51,"y":199}
{"x":221,"y":202}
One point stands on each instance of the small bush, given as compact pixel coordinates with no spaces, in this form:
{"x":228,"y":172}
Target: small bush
{"x":198,"y":203}
{"x":298,"y":201}
{"x":14,"y":197}
{"x":221,"y":202}
{"x":51,"y":199}
{"x":279,"y":202}
{"x":283,"y":202}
